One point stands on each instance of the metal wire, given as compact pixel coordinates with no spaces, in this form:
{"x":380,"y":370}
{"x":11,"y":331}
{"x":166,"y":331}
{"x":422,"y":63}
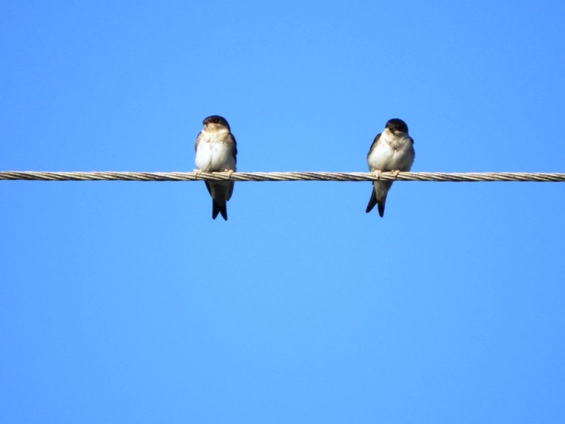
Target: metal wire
{"x":283,"y":176}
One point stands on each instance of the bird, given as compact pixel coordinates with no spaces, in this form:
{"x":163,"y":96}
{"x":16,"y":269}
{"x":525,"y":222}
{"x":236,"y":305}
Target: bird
{"x":216,"y":151}
{"x":392,"y":150}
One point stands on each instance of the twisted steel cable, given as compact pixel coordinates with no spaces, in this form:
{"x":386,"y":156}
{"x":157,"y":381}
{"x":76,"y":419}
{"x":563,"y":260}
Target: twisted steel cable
{"x":284,"y":176}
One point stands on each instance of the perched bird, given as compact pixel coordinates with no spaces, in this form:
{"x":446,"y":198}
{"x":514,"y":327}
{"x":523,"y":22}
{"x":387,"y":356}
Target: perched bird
{"x":392,"y":150}
{"x":216,"y":151}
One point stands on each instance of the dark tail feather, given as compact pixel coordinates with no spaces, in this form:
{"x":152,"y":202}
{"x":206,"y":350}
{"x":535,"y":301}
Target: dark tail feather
{"x":378,"y":196}
{"x":219,"y":209}
{"x":372,"y":201}
{"x":381,"y":207}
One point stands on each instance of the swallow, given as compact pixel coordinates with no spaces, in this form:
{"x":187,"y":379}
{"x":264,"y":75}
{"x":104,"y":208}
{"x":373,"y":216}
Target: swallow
{"x":216,"y":151}
{"x":392,"y":150}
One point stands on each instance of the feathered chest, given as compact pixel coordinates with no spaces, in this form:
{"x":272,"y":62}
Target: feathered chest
{"x":215,"y":154}
{"x":391,"y":154}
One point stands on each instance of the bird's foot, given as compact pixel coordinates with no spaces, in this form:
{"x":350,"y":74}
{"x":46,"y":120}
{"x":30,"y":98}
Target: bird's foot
{"x":377,"y":174}
{"x":229,"y":172}
{"x":395,"y":173}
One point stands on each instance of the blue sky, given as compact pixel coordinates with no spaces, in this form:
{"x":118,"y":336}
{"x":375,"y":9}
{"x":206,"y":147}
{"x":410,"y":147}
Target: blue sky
{"x":125,"y":302}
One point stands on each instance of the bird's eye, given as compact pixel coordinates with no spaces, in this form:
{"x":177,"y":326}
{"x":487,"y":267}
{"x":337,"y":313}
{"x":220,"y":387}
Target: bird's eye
{"x":215,"y":120}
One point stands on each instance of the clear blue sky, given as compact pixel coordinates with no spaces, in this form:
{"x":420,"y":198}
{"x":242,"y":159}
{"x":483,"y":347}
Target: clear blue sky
{"x":124,"y":302}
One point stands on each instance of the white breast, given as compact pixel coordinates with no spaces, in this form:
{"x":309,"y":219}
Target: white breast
{"x":392,"y":154}
{"x":213,"y":155}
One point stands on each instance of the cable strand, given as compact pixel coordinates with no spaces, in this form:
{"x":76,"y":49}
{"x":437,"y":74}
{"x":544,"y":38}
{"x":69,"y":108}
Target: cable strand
{"x":283,"y":176}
